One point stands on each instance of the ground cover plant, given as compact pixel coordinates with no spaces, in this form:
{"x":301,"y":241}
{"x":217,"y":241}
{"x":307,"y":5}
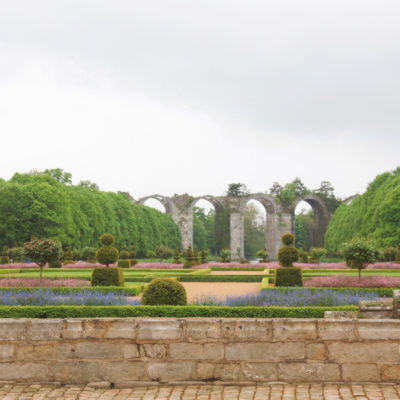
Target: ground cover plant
{"x":35,"y":282}
{"x":352,"y":281}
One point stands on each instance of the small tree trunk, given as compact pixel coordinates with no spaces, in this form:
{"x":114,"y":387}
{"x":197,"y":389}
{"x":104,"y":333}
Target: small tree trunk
{"x":41,"y":272}
{"x":359,"y":274}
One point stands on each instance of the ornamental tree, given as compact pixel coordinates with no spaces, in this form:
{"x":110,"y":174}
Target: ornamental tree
{"x":359,"y":252}
{"x":107,"y":254}
{"x":42,"y":251}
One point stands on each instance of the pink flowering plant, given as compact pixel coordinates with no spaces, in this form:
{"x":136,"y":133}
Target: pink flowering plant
{"x":353,"y":281}
{"x":35,"y":282}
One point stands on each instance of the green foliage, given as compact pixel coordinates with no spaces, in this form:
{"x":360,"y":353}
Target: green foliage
{"x":166,"y":311}
{"x":106,"y":239}
{"x":118,"y":290}
{"x":288,"y":277}
{"x":4,"y":259}
{"x":303,"y":256}
{"x":124,"y":263}
{"x":189,"y":259}
{"x":220,"y":278}
{"x":89,"y":253}
{"x":254,"y":230}
{"x":55,"y":264}
{"x":389,"y":254}
{"x":316,"y":254}
{"x":17,"y":254}
{"x":68,"y":256}
{"x":287,"y":255}
{"x":237,"y":190}
{"x":37,"y":205}
{"x":287,"y":239}
{"x":42,"y":251}
{"x":104,"y":276}
{"x":107,"y":255}
{"x":196,"y":257}
{"x":163,"y":252}
{"x":304,"y":224}
{"x":124,"y":254}
{"x":177,"y":256}
{"x":225,"y":255}
{"x":359,"y":252}
{"x":164,"y":291}
{"x":375,"y":214}
{"x":132,"y":252}
{"x":204,"y":255}
{"x":263,"y":255}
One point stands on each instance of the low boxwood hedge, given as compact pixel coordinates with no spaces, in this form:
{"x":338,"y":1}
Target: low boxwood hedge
{"x":237,"y":268}
{"x":166,"y":311}
{"x":123,"y":291}
{"x":381,"y":292}
{"x":220,"y":278}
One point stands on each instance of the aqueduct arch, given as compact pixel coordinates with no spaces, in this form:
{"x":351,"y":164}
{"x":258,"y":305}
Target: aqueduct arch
{"x":279,"y":220}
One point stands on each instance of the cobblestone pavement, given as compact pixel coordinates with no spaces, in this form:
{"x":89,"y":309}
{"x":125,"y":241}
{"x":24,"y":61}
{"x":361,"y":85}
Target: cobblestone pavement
{"x":204,"y":392}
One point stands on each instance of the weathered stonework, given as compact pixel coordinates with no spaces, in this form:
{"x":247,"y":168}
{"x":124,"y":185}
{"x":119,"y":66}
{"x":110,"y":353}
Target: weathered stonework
{"x":144,"y":350}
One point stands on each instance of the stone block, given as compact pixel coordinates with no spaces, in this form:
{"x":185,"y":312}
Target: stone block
{"x":196,"y":351}
{"x":254,"y":329}
{"x":6,"y":352}
{"x":337,"y":330}
{"x":360,"y":372}
{"x":228,"y":329}
{"x":95,"y":328}
{"x":13,"y":329}
{"x":158,"y":329}
{"x":316,"y":351}
{"x":66,"y":351}
{"x":24,"y":372}
{"x":46,"y":329}
{"x":76,"y":372}
{"x":341,"y":314}
{"x":294,"y":329}
{"x":379,"y":330}
{"x":172,"y":371}
{"x":153,"y":350}
{"x":122,"y":329}
{"x":101,"y":350}
{"x":203,"y":329}
{"x":118,"y":371}
{"x":265,"y":351}
{"x":391,"y":373}
{"x":308,"y":372}
{"x":259,"y":372}
{"x":73,"y":329}
{"x":130,"y":350}
{"x":364,"y":352}
{"x":219,"y":372}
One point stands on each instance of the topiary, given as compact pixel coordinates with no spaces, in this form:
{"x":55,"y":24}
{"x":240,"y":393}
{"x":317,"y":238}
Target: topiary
{"x":164,"y":291}
{"x":124,"y":261}
{"x":68,"y":256}
{"x":132,"y":255}
{"x":196,"y":257}
{"x":107,"y":254}
{"x":189,"y":263}
{"x":204,"y":254}
{"x":316,"y":254}
{"x":303,"y":256}
{"x":89,"y":254}
{"x":177,"y":256}
{"x":287,"y":239}
{"x":288,"y":254}
{"x":288,"y":277}
{"x":4,"y":259}
{"x":105,"y":276}
{"x":263,"y":255}
{"x":225,"y":255}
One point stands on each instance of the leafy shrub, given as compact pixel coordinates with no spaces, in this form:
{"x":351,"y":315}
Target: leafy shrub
{"x":89,"y":254}
{"x":204,"y":254}
{"x":291,"y":276}
{"x":303,"y":256}
{"x":68,"y":256}
{"x":287,"y":239}
{"x":244,"y":261}
{"x":4,"y":259}
{"x":55,"y":264}
{"x":196,"y":257}
{"x":164,"y":291}
{"x":16,"y":254}
{"x":163,"y":252}
{"x":106,"y":239}
{"x":316,"y":254}
{"x":189,"y":262}
{"x":263,"y":255}
{"x":287,"y":255}
{"x":133,"y":261}
{"x":132,"y":255}
{"x":225,"y":255}
{"x":359,"y":252}
{"x":107,"y":254}
{"x":389,"y":254}
{"x":177,"y":256}
{"x":124,"y":263}
{"x":105,"y":276}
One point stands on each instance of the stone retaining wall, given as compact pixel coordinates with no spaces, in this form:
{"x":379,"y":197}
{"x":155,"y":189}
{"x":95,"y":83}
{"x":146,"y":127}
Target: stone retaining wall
{"x":133,"y":350}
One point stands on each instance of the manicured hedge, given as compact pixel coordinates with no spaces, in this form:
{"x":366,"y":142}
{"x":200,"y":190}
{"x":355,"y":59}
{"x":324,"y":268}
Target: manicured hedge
{"x":123,"y":291}
{"x":166,"y":311}
{"x":381,"y":292}
{"x":220,"y":278}
{"x":237,"y":269}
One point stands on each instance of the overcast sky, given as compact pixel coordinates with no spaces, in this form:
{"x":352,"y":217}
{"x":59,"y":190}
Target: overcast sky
{"x":187,"y":96}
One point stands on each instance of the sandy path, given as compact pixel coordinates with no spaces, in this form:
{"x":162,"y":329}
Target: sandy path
{"x":196,"y":290}
{"x":236,"y":273}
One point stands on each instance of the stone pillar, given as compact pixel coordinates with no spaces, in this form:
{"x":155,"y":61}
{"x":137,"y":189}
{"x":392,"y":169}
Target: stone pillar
{"x":237,"y":235}
{"x":270,"y":233}
{"x":184,"y":220}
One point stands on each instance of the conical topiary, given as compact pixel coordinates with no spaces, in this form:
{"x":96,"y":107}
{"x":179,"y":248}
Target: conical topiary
{"x":68,"y":256}
{"x":204,"y":255}
{"x":132,"y":255}
{"x":189,"y":263}
{"x":124,"y":261}
{"x":177,"y":256}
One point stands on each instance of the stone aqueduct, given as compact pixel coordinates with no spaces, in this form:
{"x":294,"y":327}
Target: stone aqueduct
{"x":279,"y":220}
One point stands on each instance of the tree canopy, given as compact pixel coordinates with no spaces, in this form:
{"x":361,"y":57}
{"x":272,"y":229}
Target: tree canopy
{"x":375,"y":214}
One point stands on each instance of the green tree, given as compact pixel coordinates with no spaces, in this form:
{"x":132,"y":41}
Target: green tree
{"x":237,"y":190}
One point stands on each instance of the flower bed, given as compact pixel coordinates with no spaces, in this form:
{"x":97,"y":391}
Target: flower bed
{"x":290,"y":298}
{"x":36,"y":282}
{"x":353,"y":281}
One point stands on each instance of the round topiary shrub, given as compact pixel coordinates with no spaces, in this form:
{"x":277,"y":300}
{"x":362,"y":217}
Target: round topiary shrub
{"x":164,"y":291}
{"x":287,"y":239}
{"x":287,"y":255}
{"x":107,"y":255}
{"x":106,"y":239}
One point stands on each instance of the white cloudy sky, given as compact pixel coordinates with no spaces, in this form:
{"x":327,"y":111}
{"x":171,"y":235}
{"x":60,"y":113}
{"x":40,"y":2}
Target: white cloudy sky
{"x":163,"y":96}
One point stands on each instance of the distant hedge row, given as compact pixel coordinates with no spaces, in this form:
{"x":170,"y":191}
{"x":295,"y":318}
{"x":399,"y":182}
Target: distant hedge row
{"x":38,"y":205}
